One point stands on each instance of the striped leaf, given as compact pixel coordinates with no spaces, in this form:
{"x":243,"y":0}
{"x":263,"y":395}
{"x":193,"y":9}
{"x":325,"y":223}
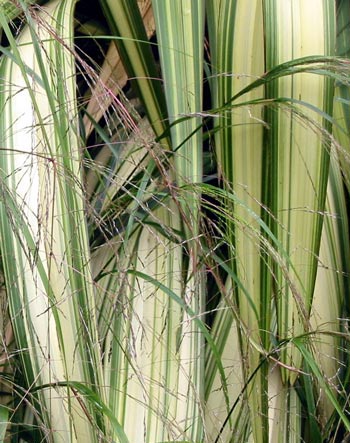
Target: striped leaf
{"x":237,"y":60}
{"x":43,"y":231}
{"x":297,"y":157}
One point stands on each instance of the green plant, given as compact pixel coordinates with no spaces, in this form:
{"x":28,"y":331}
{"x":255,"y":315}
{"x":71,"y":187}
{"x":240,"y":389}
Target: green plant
{"x":175,"y":264}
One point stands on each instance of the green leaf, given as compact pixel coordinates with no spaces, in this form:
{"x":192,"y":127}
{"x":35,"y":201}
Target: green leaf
{"x":135,"y":51}
{"x":4,"y":422}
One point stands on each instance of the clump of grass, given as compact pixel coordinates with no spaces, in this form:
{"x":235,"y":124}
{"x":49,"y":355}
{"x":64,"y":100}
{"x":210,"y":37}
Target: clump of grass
{"x":152,"y":295}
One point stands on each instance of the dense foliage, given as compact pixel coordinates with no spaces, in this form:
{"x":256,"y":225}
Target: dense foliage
{"x":174,"y":233}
